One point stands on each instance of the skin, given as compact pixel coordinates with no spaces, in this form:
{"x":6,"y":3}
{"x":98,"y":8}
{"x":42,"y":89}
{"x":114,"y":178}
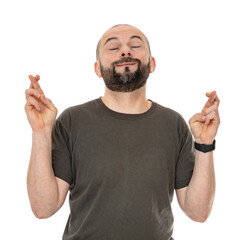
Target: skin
{"x":125,"y":102}
{"x":196,"y":200}
{"x":47,"y":193}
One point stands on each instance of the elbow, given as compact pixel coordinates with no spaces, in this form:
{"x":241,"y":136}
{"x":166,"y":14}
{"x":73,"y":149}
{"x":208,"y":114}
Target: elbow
{"x":199,"y":212}
{"x":199,"y":217}
{"x":41,"y":214}
{"x":43,"y":210}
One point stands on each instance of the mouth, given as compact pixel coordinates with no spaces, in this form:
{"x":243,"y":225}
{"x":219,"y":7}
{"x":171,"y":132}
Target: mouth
{"x":125,"y":64}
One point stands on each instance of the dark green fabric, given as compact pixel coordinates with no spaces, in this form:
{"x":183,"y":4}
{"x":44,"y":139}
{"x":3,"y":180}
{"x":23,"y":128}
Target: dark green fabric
{"x":122,"y":170}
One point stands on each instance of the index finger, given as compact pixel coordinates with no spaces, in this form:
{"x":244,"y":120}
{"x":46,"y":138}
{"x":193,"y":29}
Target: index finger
{"x":215,"y":99}
{"x":34,"y":83}
{"x":212,"y":99}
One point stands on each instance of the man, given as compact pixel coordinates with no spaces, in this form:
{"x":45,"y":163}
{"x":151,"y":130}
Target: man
{"x":121,"y":156}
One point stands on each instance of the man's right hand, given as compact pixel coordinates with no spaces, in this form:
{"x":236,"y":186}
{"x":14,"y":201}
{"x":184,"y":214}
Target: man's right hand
{"x":41,"y":112}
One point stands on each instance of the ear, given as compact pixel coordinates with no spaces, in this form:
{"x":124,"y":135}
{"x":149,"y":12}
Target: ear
{"x":152,"y":64}
{"x":97,"y":69}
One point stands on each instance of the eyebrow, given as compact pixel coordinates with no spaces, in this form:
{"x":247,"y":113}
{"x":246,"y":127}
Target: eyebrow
{"x":116,"y":38}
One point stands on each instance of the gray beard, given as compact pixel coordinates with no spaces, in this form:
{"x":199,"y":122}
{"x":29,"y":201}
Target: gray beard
{"x":127,"y":81}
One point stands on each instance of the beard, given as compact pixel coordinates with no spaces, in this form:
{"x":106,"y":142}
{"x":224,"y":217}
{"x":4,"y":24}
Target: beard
{"x":127,"y":81}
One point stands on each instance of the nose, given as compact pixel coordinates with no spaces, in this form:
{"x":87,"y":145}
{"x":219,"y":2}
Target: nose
{"x":125,"y":52}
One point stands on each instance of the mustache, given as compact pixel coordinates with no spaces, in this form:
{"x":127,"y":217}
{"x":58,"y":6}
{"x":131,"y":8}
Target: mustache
{"x":128,"y":59}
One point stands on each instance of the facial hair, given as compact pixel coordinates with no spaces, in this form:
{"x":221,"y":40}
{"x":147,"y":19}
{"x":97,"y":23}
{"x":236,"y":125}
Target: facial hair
{"x":127,"y":81}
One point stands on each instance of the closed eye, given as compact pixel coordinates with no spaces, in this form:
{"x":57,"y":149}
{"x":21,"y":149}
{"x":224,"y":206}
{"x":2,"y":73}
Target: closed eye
{"x":113,"y":49}
{"x":136,"y":47}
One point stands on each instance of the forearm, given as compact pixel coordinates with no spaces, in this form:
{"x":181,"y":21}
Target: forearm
{"x":201,"y":190}
{"x":41,"y":182}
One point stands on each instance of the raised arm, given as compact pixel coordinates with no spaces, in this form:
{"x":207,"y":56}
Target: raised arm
{"x":197,"y":198}
{"x":46,"y":192}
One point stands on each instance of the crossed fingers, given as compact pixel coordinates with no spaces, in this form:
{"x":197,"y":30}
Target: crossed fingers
{"x":34,"y":95}
{"x":34,"y":88}
{"x":210,"y":110}
{"x":34,"y":83}
{"x":212,"y":99}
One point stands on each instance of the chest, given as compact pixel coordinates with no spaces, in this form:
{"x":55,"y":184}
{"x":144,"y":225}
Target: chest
{"x":121,"y":155}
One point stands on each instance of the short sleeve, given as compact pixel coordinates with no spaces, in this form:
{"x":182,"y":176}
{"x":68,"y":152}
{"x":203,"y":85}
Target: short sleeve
{"x":61,"y":155}
{"x":185,"y":162}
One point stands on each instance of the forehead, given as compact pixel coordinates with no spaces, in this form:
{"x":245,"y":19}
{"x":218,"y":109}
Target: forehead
{"x":121,"y":32}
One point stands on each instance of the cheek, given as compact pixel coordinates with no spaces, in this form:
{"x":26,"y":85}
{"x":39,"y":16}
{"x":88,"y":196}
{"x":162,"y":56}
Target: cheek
{"x":142,"y":57}
{"x":108,"y":60}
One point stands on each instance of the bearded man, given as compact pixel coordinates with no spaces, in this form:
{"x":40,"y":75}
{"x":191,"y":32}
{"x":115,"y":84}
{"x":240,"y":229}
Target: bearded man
{"x":120,"y":156}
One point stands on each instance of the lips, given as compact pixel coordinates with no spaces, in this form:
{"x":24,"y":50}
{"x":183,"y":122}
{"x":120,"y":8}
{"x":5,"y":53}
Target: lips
{"x":125,"y":64}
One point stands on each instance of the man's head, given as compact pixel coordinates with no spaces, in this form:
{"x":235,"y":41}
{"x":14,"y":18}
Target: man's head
{"x":124,"y":58}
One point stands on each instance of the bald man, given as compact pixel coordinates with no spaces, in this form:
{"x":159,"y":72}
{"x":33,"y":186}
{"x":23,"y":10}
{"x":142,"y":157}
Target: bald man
{"x":120,"y":156}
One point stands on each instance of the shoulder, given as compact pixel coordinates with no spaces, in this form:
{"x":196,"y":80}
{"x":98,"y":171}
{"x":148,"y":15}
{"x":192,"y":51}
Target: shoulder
{"x":176,"y":121}
{"x":77,"y":112}
{"x":172,"y":119}
{"x":89,"y":105}
{"x":169,"y":113}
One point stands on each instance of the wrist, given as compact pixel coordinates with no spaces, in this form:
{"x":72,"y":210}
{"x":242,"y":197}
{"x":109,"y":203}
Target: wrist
{"x":205,"y":147}
{"x":41,"y":142}
{"x":47,"y":131}
{"x":204,"y":141}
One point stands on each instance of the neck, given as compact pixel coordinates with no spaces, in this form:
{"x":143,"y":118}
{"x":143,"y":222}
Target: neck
{"x":127,"y":102}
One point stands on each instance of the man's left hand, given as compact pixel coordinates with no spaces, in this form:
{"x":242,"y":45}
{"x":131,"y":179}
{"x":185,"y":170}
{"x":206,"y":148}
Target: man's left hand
{"x":204,"y":125}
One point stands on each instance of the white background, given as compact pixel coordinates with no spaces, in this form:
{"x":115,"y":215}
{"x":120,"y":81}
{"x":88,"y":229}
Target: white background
{"x":199,"y":46}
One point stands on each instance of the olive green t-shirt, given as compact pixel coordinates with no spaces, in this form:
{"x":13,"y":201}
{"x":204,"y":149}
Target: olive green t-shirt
{"x":122,"y":170}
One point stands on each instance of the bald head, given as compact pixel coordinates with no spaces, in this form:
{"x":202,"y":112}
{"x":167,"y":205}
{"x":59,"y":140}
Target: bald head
{"x":116,"y":28}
